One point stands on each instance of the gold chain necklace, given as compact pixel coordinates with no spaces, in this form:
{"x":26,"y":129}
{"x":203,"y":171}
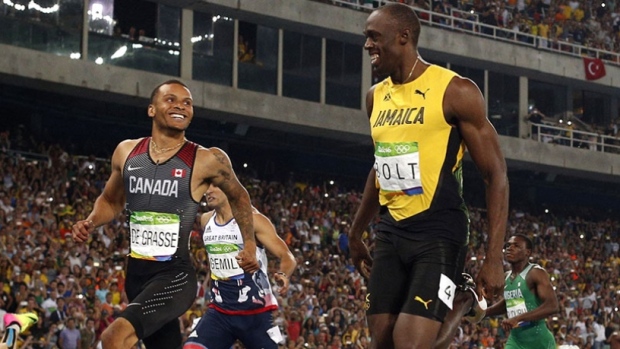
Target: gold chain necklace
{"x":412,"y":69}
{"x":395,"y":87}
{"x":159,"y":150}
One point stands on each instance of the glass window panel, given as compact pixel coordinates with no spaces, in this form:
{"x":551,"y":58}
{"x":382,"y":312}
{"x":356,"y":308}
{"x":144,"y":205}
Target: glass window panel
{"x":302,"y":66}
{"x":101,"y":17}
{"x":50,"y":27}
{"x":258,"y":51}
{"x":169,"y":24}
{"x":138,"y":48}
{"x":343,"y":74}
{"x":213,"y":47}
{"x":550,"y":99}
{"x":596,"y":109}
{"x":141,"y":55}
{"x":503,"y":103}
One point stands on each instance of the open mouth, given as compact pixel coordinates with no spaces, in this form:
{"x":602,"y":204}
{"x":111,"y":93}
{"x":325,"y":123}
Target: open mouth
{"x":177,"y":116}
{"x":374,"y":59}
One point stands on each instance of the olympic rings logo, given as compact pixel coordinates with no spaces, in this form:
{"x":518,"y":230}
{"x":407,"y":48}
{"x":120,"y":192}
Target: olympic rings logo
{"x":401,"y":148}
{"x":162,"y":219}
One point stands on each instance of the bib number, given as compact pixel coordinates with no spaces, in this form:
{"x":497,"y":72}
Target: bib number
{"x":515,"y":307}
{"x":397,"y":166}
{"x":223,"y":262}
{"x":154,"y":235}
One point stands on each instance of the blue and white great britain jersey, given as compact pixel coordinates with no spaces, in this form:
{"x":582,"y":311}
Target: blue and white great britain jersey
{"x":232,"y":290}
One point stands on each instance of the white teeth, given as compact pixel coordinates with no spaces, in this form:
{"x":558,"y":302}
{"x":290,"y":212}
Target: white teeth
{"x":373,"y":58}
{"x":178,"y":116}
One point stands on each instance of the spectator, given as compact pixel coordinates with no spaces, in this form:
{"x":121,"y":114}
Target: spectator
{"x":69,"y":337}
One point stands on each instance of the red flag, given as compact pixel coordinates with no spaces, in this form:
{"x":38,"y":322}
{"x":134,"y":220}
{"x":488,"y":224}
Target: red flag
{"x":595,"y":68}
{"x":178,"y":173}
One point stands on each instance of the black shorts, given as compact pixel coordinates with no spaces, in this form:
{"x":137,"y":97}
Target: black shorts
{"x":414,"y":277}
{"x":220,"y":331}
{"x":156,"y":300}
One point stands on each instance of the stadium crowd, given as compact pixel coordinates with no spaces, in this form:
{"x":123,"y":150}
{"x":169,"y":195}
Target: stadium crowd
{"x":79,"y":287}
{"x":593,"y":24}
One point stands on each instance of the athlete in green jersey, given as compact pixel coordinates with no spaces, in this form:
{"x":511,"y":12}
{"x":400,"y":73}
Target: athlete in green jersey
{"x":528,"y":300}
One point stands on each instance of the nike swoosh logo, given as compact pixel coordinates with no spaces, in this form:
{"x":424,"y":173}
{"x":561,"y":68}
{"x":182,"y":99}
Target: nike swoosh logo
{"x":130,"y":304}
{"x":129,"y":168}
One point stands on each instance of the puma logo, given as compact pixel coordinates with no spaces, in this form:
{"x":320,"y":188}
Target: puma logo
{"x":423,"y":94}
{"x":417,"y":298}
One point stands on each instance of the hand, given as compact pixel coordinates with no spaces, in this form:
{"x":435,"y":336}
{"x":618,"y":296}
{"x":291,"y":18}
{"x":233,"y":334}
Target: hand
{"x":490,"y":280}
{"x":283,"y":283}
{"x":361,"y":256}
{"x":82,"y":229}
{"x":247,"y":259}
{"x":509,"y":324}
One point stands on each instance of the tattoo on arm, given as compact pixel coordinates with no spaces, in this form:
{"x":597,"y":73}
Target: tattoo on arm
{"x":221,"y":159}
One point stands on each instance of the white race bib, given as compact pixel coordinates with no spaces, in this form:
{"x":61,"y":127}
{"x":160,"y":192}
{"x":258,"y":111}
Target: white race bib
{"x":154,"y":235}
{"x":398,"y":167}
{"x":222,"y":260}
{"x":447,"y":290}
{"x":515,"y":307}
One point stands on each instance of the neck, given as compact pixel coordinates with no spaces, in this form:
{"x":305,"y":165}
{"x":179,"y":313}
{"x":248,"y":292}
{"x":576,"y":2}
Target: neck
{"x":223,"y":214}
{"x":410,"y":75}
{"x":518,"y":267}
{"x":168,"y":140}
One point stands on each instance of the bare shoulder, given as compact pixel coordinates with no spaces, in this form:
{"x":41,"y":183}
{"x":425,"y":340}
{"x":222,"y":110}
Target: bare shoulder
{"x":122,"y":151}
{"x":212,"y":154}
{"x":128,"y":144}
{"x":204,"y":218}
{"x":538,"y":272}
{"x":259,"y":217}
{"x":463,"y":100}
{"x":370,"y":100}
{"x":462,"y":85}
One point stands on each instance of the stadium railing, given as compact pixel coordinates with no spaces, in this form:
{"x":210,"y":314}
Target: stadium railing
{"x":574,"y":138}
{"x":471,"y":25}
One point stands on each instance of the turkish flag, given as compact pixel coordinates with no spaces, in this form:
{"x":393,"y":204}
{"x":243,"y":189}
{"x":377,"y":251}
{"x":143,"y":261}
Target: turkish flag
{"x":595,"y":68}
{"x":178,"y":173}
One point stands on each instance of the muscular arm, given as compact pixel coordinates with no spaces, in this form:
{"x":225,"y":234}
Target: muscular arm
{"x":464,"y":107}
{"x":369,"y":207}
{"x":266,"y":234}
{"x":112,"y":200}
{"x":538,"y":282}
{"x":498,"y":308}
{"x":218,"y":171}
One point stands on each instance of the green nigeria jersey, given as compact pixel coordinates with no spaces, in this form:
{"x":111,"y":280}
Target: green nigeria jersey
{"x":520,"y":299}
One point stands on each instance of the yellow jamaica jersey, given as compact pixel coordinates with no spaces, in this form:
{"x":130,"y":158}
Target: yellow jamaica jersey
{"x":418,"y":155}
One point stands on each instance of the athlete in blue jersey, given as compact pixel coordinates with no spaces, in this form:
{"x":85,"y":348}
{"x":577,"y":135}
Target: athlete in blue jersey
{"x":241,"y":303}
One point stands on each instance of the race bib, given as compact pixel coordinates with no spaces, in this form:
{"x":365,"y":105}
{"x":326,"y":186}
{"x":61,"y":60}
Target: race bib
{"x":154,"y":235}
{"x":515,"y":307}
{"x":223,"y":262}
{"x":398,"y":167}
{"x":447,"y":290}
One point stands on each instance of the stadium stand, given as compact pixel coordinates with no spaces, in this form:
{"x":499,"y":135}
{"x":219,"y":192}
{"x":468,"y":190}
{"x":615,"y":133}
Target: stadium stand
{"x":50,"y":179}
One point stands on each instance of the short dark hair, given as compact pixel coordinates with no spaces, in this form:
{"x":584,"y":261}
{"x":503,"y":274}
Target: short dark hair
{"x":405,"y":17}
{"x":167,"y":82}
{"x":528,"y":242}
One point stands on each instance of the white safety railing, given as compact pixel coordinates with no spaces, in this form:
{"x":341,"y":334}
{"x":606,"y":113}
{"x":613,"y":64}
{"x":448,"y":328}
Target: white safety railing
{"x":466,"y":22}
{"x":574,"y":138}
